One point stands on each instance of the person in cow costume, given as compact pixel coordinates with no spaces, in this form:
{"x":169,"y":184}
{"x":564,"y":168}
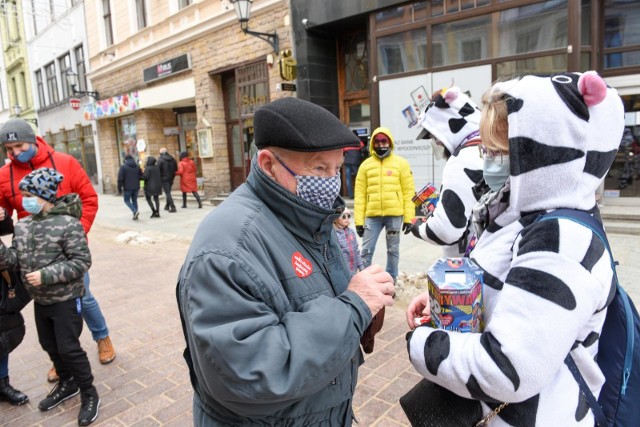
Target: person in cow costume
{"x":548,"y":142}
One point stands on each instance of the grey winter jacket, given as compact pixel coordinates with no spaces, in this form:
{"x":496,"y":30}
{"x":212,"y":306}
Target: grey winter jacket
{"x":273,"y":332}
{"x":55,"y":243}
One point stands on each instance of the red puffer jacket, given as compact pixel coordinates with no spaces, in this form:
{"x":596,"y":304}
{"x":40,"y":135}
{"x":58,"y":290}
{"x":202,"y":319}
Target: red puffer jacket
{"x":75,"y":181}
{"x":187,"y":171}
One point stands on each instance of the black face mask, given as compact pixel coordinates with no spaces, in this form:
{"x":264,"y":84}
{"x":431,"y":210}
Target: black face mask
{"x":381,"y":151}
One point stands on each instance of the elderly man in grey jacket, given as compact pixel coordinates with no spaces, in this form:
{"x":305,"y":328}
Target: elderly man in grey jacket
{"x":271,"y":316}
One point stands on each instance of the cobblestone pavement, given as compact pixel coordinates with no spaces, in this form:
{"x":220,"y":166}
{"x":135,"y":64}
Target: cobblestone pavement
{"x":147,"y":384}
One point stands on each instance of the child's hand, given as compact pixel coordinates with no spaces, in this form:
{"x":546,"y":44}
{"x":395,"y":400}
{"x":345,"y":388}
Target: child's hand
{"x":34,"y":278}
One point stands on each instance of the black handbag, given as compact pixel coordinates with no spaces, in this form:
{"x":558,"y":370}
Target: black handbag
{"x":13,"y":295}
{"x":429,"y":405}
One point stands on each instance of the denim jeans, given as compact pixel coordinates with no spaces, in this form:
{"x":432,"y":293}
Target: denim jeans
{"x":92,"y":314}
{"x":349,"y":172}
{"x":372,"y":228}
{"x":4,"y":366}
{"x":131,"y":199}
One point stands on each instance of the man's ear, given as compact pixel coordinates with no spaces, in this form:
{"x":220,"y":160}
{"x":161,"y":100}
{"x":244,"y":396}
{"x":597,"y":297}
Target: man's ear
{"x":265,"y":162}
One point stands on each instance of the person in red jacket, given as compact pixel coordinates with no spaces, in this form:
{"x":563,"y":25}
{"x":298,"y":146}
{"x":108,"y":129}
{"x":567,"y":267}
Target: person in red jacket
{"x":188,"y":182}
{"x":28,"y":152}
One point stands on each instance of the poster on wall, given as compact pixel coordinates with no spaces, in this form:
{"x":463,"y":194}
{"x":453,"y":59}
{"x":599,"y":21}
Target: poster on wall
{"x":403,"y":99}
{"x":205,"y":145}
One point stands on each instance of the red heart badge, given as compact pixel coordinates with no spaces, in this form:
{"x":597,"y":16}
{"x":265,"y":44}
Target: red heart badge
{"x":301,"y":265}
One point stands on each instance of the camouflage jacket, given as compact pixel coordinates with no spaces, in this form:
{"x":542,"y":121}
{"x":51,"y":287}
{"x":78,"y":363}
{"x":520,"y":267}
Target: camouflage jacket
{"x":53,"y":242}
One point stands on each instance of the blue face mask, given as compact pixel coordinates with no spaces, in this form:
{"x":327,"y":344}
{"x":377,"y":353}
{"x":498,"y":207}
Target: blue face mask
{"x":25,"y":156}
{"x":496,"y":172}
{"x":317,"y":190}
{"x":31,"y":205}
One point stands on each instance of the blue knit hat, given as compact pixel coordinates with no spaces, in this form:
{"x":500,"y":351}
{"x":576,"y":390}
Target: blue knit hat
{"x":43,"y":183}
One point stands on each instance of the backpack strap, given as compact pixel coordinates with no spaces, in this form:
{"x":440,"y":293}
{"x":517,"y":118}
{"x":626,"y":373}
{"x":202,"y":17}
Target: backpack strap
{"x":586,"y":220}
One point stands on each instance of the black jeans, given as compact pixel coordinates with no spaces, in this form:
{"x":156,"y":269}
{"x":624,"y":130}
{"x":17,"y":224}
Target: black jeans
{"x":59,"y":326}
{"x":156,"y":199}
{"x":166,"y":187}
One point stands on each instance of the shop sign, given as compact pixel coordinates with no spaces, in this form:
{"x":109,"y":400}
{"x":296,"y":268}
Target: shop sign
{"x":167,"y":68}
{"x":171,"y":131}
{"x":288,"y":66}
{"x":74,"y":103}
{"x":290,"y":87}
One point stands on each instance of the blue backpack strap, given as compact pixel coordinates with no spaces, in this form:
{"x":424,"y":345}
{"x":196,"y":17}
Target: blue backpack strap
{"x":586,"y":220}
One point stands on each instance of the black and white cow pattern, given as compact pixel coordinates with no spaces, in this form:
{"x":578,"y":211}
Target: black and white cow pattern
{"x":547,"y":283}
{"x":452,"y":117}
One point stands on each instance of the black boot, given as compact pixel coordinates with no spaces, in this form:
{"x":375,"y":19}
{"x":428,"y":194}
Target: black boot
{"x":184,"y":200}
{"x":172,"y":209}
{"x":197,"y":196}
{"x":90,"y":403}
{"x":10,"y":394}
{"x":62,"y":391}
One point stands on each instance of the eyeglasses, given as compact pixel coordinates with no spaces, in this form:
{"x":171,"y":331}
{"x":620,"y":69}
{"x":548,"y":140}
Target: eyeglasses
{"x":490,"y":155}
{"x":345,"y":216}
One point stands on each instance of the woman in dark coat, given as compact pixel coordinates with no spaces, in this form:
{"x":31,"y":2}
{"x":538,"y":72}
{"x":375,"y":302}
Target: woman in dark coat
{"x":152,"y":185}
{"x":188,"y":183}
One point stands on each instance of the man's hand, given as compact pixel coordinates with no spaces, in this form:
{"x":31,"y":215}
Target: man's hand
{"x":406,"y":227}
{"x":419,"y":308}
{"x":374,"y":286}
{"x":360,"y":230}
{"x":34,"y":278}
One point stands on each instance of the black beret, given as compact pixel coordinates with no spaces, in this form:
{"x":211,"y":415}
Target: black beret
{"x":298,"y":125}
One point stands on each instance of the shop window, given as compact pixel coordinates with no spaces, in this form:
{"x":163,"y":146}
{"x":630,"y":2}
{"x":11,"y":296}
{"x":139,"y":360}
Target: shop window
{"x":390,"y":17}
{"x":356,"y":62}
{"x":437,"y":54}
{"x":541,"y":65}
{"x":461,"y":41}
{"x":471,"y":50}
{"x":89,"y":154}
{"x":622,"y":33}
{"x":126,"y":137}
{"x":402,"y":52}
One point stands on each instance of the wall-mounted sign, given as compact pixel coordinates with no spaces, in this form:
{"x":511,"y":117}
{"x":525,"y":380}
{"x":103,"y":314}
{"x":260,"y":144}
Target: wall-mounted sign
{"x":74,"y":103}
{"x":290,"y":87}
{"x":125,"y":103}
{"x":170,"y":131}
{"x":167,"y":68}
{"x":288,"y":66}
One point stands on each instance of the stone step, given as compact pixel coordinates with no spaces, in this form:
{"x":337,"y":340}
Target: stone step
{"x":622,"y":227}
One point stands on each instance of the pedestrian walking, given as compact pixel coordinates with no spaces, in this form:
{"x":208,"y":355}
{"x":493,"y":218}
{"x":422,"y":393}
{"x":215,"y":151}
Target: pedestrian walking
{"x":384,"y":188}
{"x":152,"y":186}
{"x":188,"y":181}
{"x":52,"y":272}
{"x":129,"y":177}
{"x":271,"y":315}
{"x":25,"y":152}
{"x":168,"y":168}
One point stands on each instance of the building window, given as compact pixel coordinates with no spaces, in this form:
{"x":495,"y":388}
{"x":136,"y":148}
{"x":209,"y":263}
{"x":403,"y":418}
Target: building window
{"x":42,"y":101}
{"x":11,"y":20}
{"x":402,"y":52}
{"x":621,"y":34}
{"x":141,"y":14}
{"x":106,"y":20}
{"x":23,"y":90}
{"x":34,"y":16}
{"x":184,"y":3}
{"x":80,"y":68}
{"x":64,"y":65}
{"x":52,"y":84}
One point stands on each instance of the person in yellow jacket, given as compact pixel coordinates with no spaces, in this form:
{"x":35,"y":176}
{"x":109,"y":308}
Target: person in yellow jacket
{"x":384,"y":188}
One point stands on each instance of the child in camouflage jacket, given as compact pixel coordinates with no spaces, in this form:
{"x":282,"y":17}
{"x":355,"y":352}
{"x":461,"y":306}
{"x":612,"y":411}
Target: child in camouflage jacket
{"x":50,"y":249}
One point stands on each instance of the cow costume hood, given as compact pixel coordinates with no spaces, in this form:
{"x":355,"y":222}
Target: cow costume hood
{"x":452,"y":118}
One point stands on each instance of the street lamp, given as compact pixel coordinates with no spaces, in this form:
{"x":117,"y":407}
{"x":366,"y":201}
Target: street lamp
{"x":17,"y":109}
{"x":72,"y":80}
{"x":243,"y":10}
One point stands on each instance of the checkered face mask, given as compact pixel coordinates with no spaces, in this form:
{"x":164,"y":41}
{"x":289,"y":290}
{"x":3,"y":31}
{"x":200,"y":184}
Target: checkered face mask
{"x":317,"y":190}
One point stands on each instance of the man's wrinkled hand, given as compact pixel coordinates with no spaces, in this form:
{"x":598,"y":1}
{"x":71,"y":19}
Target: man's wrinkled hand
{"x":374,"y":286}
{"x":360,"y":230}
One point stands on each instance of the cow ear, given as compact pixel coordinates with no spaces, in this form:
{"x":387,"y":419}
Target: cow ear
{"x":592,"y":88}
{"x":451,"y":95}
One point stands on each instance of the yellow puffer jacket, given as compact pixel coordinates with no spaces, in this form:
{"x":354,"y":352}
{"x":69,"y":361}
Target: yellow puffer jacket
{"x":384,"y":187}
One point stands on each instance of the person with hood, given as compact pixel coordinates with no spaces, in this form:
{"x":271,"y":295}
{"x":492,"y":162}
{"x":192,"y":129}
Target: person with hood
{"x":27,"y":152}
{"x":188,"y":181}
{"x":547,"y":144}
{"x":384,"y":189}
{"x":270,"y":312}
{"x":152,"y":186}
{"x":52,"y":272}
{"x":452,"y":122}
{"x":129,"y":177}
{"x":168,"y":167}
